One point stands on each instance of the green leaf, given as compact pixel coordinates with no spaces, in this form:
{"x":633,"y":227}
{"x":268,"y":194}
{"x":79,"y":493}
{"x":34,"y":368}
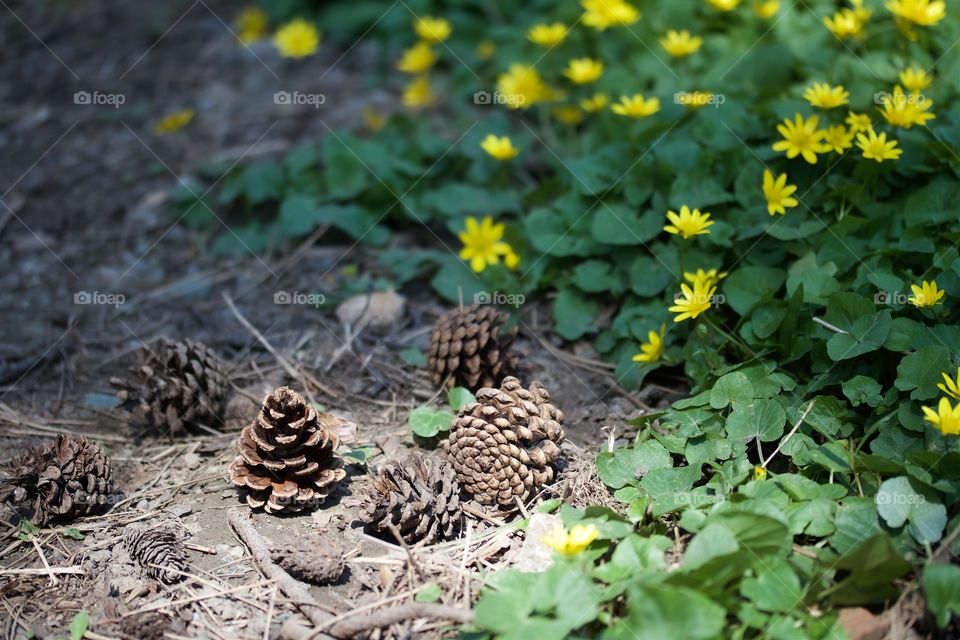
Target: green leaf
{"x":652,"y":614}
{"x":593,"y":276}
{"x":866,"y":334}
{"x":775,"y":588}
{"x":862,"y":390}
{"x":733,"y":387}
{"x":429,"y":592}
{"x":919,"y":372}
{"x":941,"y":585}
{"x":573,"y":314}
{"x":626,"y":465}
{"x":71,"y":532}
{"x":872,"y":567}
{"x":427,"y":423}
{"x":618,"y":224}
{"x":458,"y":397}
{"x":900,"y":501}
{"x":79,"y":624}
{"x":414,"y":357}
{"x":763,"y":419}
{"x":746,"y":287}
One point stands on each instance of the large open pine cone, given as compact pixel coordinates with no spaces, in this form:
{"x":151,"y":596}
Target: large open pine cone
{"x":469,"y":348}
{"x":504,"y":444}
{"x":420,"y":498}
{"x":177,"y":386}
{"x":68,"y":478}
{"x":287,"y":458}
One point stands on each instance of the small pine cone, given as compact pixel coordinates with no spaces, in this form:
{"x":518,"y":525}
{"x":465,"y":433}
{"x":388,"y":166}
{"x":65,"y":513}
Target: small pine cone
{"x":177,"y":387}
{"x":420,"y":498}
{"x":305,"y":561}
{"x":503,"y":445}
{"x":66,"y":479}
{"x":287,"y":458}
{"x":469,"y":348}
{"x":160,"y":546}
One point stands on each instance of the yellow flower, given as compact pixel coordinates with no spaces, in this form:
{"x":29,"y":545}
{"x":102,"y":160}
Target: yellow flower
{"x":723,"y":5}
{"x":903,"y":110}
{"x":482,"y":243}
{"x":691,"y":302}
{"x":522,"y":87}
{"x":652,"y":349}
{"x":778,"y":193}
{"x":583,"y":70}
{"x":844,"y":24}
{"x":759,"y":473}
{"x":417,"y":59}
{"x":822,"y":95}
{"x":573,"y":542}
{"x":877,"y":147}
{"x":432,"y":29}
{"x":512,"y":260}
{"x":926,"y":294}
{"x":251,"y":25}
{"x":173,"y":122}
{"x":862,"y":13}
{"x":801,"y":138}
{"x":547,"y":35}
{"x":601,"y":14}
{"x":568,"y":114}
{"x":297,"y":39}
{"x":594,"y":103}
{"x":858,"y":122}
{"x":915,"y":79}
{"x":946,"y":418}
{"x":418,"y":93}
{"x":952,"y":387}
{"x":486,"y":49}
{"x":766,"y":8}
{"x":704,"y":279}
{"x":694,"y":99}
{"x":838,"y":138}
{"x":920,"y":12}
{"x":636,"y":106}
{"x":500,"y":148}
{"x":373,"y":120}
{"x":680,"y":44}
{"x":688,"y":223}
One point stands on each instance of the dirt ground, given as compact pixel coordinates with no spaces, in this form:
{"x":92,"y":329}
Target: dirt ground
{"x":84,"y":189}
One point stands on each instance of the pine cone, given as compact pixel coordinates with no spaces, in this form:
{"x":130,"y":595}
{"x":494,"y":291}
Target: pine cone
{"x":468,"y":348}
{"x":503,"y":445}
{"x":159,"y":550}
{"x":68,"y":478}
{"x":287,"y":458}
{"x":420,"y":498}
{"x":177,"y":387}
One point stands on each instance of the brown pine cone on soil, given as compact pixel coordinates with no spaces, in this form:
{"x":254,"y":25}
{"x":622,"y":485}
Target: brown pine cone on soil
{"x":158,"y":550}
{"x":503,"y":445}
{"x":287,"y":458}
{"x":469,"y":348}
{"x":66,"y":479}
{"x":421,"y":498}
{"x":177,"y":387}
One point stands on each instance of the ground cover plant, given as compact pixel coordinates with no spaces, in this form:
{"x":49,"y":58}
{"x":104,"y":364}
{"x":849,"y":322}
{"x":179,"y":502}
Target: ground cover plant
{"x":752,"y":204}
